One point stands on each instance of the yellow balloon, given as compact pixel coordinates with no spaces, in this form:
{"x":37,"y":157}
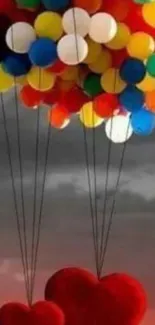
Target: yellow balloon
{"x":121,"y":38}
{"x":147,"y":84}
{"x":88,"y":117}
{"x":94,"y":50}
{"x":71,"y":73}
{"x":6,"y":80}
{"x":103,"y":62}
{"x":41,"y":79}
{"x":49,"y":24}
{"x":140,"y":45}
{"x":111,"y":81}
{"x":148,"y":12}
{"x":22,"y":81}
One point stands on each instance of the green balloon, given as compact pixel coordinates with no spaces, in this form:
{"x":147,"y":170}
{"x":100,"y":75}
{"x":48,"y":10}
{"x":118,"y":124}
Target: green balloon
{"x":143,"y":1}
{"x":92,"y":85}
{"x":150,"y":65}
{"x":32,"y":4}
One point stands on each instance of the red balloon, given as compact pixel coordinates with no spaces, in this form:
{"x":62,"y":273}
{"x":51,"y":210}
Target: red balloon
{"x":74,"y":99}
{"x":118,"y":57}
{"x":136,"y":23}
{"x":14,"y":314}
{"x":105,"y":105}
{"x":119,"y":9}
{"x":9,"y":7}
{"x":30,"y":97}
{"x":52,"y":97}
{"x":46,"y":313}
{"x":58,"y":67}
{"x":115,"y":299}
{"x":71,"y":288}
{"x":118,"y":299}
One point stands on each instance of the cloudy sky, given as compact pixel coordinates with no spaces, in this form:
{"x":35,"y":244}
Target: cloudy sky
{"x":66,"y":237}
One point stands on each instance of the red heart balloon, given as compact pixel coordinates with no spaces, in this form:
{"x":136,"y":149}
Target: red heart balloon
{"x":41,"y":313}
{"x":46,"y":313}
{"x":14,"y":314}
{"x":71,"y":288}
{"x":115,"y":299}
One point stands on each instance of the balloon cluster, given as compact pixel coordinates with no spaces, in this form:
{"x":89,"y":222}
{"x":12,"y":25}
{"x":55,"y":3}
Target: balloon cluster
{"x":75,"y":296}
{"x":94,"y":58}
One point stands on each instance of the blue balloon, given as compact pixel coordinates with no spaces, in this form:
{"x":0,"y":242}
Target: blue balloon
{"x":43,"y":52}
{"x":143,"y":122}
{"x":132,"y":71}
{"x":132,"y":98}
{"x":55,"y":5}
{"x":17,"y":64}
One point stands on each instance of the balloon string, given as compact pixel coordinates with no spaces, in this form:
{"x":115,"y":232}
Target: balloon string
{"x":93,"y":217}
{"x":21,"y":175}
{"x":8,"y":148}
{"x":106,"y":187}
{"x":114,"y":202}
{"x":40,"y":215}
{"x":35,"y":198}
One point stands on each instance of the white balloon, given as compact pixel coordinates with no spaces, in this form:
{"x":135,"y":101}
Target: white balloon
{"x":76,"y":20}
{"x":20,"y":36}
{"x":118,"y":128}
{"x":103,"y":28}
{"x":72,"y":49}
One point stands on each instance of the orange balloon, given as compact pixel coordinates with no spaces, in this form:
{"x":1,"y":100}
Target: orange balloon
{"x":57,"y":116}
{"x":150,"y":100}
{"x":91,"y":6}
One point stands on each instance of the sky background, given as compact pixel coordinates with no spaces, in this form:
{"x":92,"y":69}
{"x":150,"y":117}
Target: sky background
{"x":66,"y":237}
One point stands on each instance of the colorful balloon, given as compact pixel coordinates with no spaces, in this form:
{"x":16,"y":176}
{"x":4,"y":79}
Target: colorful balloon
{"x":88,"y":117}
{"x":45,"y":21}
{"x":6,"y":80}
{"x":20,"y":36}
{"x":121,"y":38}
{"x":147,"y":84}
{"x":147,"y":45}
{"x":58,"y":116}
{"x":103,"y":62}
{"x":143,"y":122}
{"x":43,"y":52}
{"x":92,"y":85}
{"x":132,"y":71}
{"x":30,"y":97}
{"x":76,"y":20}
{"x":90,"y":6}
{"x":118,"y":129}
{"x":148,"y":12}
{"x":132,"y":98}
{"x":74,"y":99}
{"x":72,"y":49}
{"x":150,"y":100}
{"x":111,"y":81}
{"x":17,"y":64}
{"x":105,"y":105}
{"x":55,"y":5}
{"x":94,"y":50}
{"x":29,"y":4}
{"x":103,"y":28}
{"x":41,"y":79}
{"x":150,"y":65}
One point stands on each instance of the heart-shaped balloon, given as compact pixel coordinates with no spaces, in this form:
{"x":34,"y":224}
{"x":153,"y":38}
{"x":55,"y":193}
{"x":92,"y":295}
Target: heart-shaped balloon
{"x":70,"y":289}
{"x":115,"y":299}
{"x":41,"y":313}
